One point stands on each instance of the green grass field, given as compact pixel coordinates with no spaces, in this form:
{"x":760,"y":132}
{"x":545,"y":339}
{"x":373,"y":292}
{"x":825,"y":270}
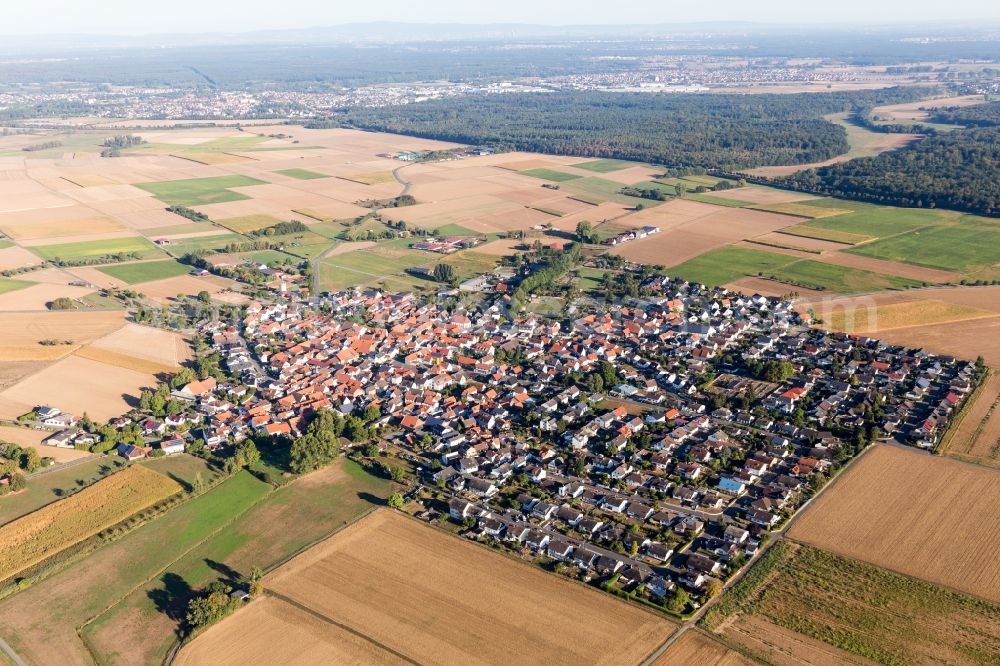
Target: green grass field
{"x":599,"y":190}
{"x":454,"y":230}
{"x":286,"y":521}
{"x":331,"y":230}
{"x":8,"y":285}
{"x":53,"y":609}
{"x":302,"y":174}
{"x":469,"y":263}
{"x":199,"y":191}
{"x":877,"y":614}
{"x":211,"y":243}
{"x":549,"y":174}
{"x":4,"y":243}
{"x":146,"y":271}
{"x":270,"y":257}
{"x":727,"y":264}
{"x":604,"y":166}
{"x":717,"y":201}
{"x":968,"y":244}
{"x":98,"y":248}
{"x":368,"y":266}
{"x":871,"y":220}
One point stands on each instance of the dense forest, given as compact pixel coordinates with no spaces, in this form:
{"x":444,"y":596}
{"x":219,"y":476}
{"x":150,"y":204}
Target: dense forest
{"x":980,"y":115}
{"x":675,"y":130}
{"x":959,"y":170}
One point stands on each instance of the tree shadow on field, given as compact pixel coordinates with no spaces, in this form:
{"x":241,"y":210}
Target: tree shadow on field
{"x":130,"y":400}
{"x":172,"y":599}
{"x":371,"y":499}
{"x":181,"y":482}
{"x":229,"y":575}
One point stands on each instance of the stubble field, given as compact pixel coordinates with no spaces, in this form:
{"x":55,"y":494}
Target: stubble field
{"x":696,"y":648}
{"x":435,"y":598}
{"x":927,"y":517}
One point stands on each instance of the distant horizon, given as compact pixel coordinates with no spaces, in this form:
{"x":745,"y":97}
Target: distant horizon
{"x":43,"y":18}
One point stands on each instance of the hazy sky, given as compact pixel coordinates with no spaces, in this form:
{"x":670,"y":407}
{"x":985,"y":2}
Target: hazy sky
{"x":143,"y":16}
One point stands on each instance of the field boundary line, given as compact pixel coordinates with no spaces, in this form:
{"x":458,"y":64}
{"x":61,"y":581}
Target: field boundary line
{"x":292,"y":602}
{"x":956,"y":423}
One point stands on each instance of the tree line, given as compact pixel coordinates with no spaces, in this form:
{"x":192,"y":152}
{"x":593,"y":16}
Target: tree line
{"x":677,"y":130}
{"x":959,"y":170}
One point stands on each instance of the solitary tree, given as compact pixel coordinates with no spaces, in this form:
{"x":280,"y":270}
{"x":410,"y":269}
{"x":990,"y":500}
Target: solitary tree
{"x":584,"y":231}
{"x":445,"y":273}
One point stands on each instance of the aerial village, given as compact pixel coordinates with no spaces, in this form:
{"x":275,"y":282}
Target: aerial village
{"x":651,"y":447}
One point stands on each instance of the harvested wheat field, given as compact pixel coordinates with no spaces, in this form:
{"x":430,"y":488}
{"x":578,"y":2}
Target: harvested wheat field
{"x":26,"y":330}
{"x":270,"y":631}
{"x":17,"y":257}
{"x":925,"y":312}
{"x":504,"y":247}
{"x":38,"y":296}
{"x":784,"y":647}
{"x":696,"y":648}
{"x":144,"y":342}
{"x":964,"y":339}
{"x":77,"y":385}
{"x":927,"y":517}
{"x":438,"y":599}
{"x":761,"y":195}
{"x":977,"y":435}
{"x":346,"y":248}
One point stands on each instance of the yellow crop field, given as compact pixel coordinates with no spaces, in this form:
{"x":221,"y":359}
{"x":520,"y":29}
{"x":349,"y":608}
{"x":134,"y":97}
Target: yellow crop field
{"x":53,"y":528}
{"x":901,"y":315}
{"x":375,"y":178}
